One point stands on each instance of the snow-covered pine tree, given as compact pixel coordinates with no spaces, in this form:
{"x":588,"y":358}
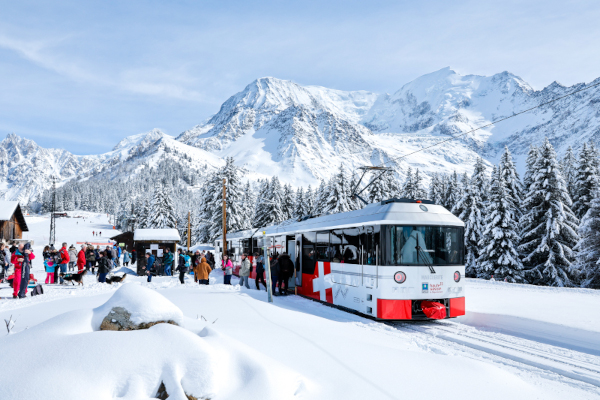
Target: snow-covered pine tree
{"x":338,"y":192}
{"x":513,"y":184}
{"x":248,"y":206}
{"x":479,"y":179}
{"x":413,"y":186}
{"x":453,"y":191}
{"x":549,"y":231}
{"x":261,"y":210}
{"x":588,"y":248}
{"x":287,"y":201}
{"x":532,"y":156}
{"x":379,"y":189}
{"x":234,"y":200}
{"x":162,"y":213}
{"x":321,"y":196}
{"x":309,"y":199}
{"x":300,"y":206}
{"x":568,"y":167}
{"x":586,"y":181}
{"x":436,"y":189}
{"x":468,"y":209}
{"x":499,"y":239}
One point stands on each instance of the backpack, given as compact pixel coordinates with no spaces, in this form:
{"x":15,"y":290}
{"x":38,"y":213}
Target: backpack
{"x":187,"y":259}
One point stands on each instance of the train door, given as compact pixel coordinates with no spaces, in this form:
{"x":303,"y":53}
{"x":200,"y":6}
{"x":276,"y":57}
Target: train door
{"x":291,"y":250}
{"x":369,"y":257}
{"x":298,"y":259}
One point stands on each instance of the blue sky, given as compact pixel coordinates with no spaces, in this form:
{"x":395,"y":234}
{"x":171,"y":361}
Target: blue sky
{"x":81,"y":75}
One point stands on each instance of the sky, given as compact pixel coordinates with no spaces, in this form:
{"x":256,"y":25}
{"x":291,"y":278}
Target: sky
{"x":83,"y":75}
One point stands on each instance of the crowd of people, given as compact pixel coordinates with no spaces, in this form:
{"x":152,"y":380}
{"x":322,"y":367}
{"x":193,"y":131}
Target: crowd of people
{"x":101,"y":261}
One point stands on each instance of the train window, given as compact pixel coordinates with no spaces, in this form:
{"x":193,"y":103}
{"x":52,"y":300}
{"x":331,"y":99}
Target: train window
{"x":424,"y":245}
{"x":336,"y":243}
{"x":369,"y":241}
{"x":322,"y":248}
{"x":308,"y":252}
{"x":245,"y":246}
{"x":351,"y":246}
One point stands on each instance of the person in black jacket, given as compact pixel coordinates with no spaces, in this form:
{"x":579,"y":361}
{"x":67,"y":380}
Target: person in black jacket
{"x":133,"y":256}
{"x":103,"y":267}
{"x":286,"y":271}
{"x":181,"y":267}
{"x":274,"y":275}
{"x":260,"y":271}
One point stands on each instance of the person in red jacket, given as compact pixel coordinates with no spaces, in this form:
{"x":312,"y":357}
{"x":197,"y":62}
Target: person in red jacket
{"x":17,"y":260}
{"x":64,"y":260}
{"x":81,"y":259}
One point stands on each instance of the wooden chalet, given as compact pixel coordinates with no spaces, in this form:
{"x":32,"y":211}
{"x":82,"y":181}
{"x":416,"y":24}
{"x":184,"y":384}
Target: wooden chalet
{"x":153,"y":241}
{"x":12,"y":221}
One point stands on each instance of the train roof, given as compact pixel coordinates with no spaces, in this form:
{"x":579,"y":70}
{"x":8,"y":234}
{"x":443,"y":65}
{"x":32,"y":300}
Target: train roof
{"x":382,"y":213}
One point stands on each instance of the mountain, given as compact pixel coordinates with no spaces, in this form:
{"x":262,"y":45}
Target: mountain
{"x":26,"y":169}
{"x":305,"y":133}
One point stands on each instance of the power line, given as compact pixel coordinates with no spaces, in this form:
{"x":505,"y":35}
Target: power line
{"x":491,"y":123}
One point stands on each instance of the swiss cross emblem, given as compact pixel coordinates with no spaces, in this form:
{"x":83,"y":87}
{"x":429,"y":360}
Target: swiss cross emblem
{"x":322,"y":283}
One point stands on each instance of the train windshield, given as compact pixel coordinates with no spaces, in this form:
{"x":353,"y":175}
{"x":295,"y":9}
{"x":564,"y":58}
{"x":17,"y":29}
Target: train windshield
{"x":424,"y":245}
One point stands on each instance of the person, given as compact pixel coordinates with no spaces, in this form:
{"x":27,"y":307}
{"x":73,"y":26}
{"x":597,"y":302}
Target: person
{"x":81,"y":259}
{"x":21,"y":259}
{"x":210,"y":260}
{"x":201,"y":271}
{"x":196,"y":260}
{"x":97,"y":255}
{"x":103,"y":266}
{"x":13,"y":248}
{"x":7,"y":256}
{"x":100,"y":234}
{"x":133,"y":256}
{"x":115,"y":256}
{"x":3,"y":260}
{"x":64,"y":260}
{"x":119,"y":252}
{"x":245,"y":271}
{"x":49,"y":265}
{"x":183,"y":264}
{"x":227,"y":266}
{"x":260,"y":271}
{"x":168,"y":262}
{"x":93,"y":233}
{"x":90,"y":258}
{"x":149,"y":265}
{"x":274,"y":275}
{"x":72,"y":257}
{"x":286,"y":271}
{"x":126,"y":258}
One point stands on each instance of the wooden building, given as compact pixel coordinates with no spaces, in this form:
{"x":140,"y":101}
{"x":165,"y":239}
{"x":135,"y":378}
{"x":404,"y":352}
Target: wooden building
{"x":125,"y":238}
{"x":153,"y":241}
{"x":12,"y":221}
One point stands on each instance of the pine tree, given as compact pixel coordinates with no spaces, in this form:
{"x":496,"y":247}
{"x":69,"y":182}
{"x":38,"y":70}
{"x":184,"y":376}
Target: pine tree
{"x":586,"y":181}
{"x":513,"y":184}
{"x":309,"y":199}
{"x":436,"y":189}
{"x":162,"y":213}
{"x":549,"y":226}
{"x":499,"y":239}
{"x":453,"y":191}
{"x":300,"y":206}
{"x":234,"y":200}
{"x":568,"y":167}
{"x":588,"y":248}
{"x":320,"y":197}
{"x":532,"y":157}
{"x":338,"y":190}
{"x":413,"y":186}
{"x":288,"y":206}
{"x":468,"y":209}
{"x":378,"y":190}
{"x":479,"y":179}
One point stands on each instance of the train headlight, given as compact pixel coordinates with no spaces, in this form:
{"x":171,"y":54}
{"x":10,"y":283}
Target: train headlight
{"x":400,"y":277}
{"x":457,"y":276}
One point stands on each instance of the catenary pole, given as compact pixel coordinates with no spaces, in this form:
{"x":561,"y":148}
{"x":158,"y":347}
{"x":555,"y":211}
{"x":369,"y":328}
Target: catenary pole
{"x":224,"y":220}
{"x":269,"y":285}
{"x":188,"y":231}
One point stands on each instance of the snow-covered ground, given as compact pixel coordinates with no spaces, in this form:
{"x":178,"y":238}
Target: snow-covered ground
{"x":516,"y":342}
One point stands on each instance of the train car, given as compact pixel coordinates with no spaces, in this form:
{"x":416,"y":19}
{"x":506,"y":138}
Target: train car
{"x":398,"y":259}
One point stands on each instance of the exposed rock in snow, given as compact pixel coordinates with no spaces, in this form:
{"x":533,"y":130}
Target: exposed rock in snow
{"x":119,"y":319}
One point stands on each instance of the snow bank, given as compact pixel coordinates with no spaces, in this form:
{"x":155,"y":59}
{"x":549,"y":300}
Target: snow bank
{"x":145,"y":305}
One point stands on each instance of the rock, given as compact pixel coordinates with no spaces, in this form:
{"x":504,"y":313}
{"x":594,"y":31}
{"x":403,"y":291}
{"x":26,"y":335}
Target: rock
{"x":119,"y":319}
{"x":163,"y":395}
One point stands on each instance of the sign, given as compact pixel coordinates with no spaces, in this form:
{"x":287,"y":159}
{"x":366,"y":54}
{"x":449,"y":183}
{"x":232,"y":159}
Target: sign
{"x":425,"y":288}
{"x":437,"y":288}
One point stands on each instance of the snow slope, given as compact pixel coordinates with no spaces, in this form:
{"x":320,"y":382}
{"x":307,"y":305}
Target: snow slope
{"x":295,"y":347}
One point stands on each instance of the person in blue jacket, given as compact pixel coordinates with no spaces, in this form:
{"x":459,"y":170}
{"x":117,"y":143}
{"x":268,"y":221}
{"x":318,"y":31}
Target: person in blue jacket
{"x":168,"y":262}
{"x":149,"y":265}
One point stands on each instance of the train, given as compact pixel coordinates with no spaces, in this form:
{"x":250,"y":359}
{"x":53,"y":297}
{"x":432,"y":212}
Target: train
{"x":398,"y":259}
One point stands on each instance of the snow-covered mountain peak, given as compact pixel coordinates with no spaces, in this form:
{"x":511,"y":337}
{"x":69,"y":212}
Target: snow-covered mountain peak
{"x":140,"y":139}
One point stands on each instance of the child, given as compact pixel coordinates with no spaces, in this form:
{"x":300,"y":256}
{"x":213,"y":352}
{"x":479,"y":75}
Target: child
{"x":49,"y":266}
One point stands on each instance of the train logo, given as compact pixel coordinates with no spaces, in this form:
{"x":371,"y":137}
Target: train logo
{"x":425,"y":288}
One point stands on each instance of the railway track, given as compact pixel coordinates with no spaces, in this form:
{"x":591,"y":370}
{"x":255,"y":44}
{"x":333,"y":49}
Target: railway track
{"x":567,"y":363}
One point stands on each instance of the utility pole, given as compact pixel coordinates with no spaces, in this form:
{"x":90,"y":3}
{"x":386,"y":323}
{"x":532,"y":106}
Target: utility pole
{"x":269,"y":280}
{"x":224,"y":219}
{"x":189,"y":231}
{"x":52,"y":237}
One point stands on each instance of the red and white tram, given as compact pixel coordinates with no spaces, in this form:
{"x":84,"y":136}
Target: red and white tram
{"x":399,"y":259}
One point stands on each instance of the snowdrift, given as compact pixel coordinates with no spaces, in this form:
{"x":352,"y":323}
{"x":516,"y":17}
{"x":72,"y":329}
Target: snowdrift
{"x":68,"y":357}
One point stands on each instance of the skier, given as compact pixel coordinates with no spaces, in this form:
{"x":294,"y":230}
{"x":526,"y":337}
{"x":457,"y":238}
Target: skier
{"x":168,"y":262}
{"x":21,"y":259}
